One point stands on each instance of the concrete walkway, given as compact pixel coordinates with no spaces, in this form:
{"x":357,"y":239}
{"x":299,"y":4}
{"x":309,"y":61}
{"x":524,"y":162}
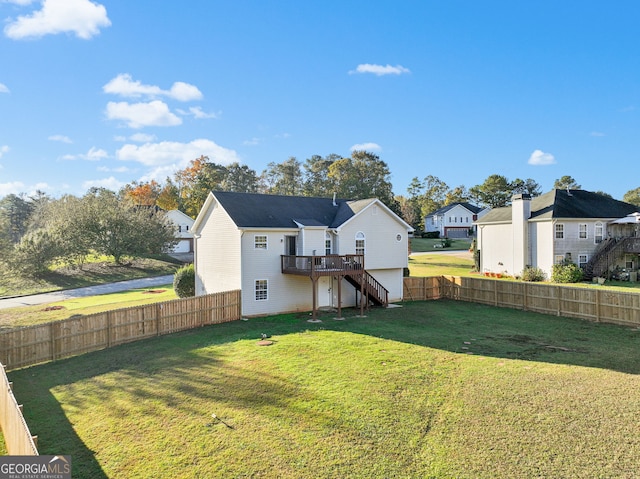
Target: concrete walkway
{"x":88,"y":291}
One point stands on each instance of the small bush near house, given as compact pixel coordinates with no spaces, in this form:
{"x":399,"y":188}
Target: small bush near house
{"x":446,"y":242}
{"x":184,"y":281}
{"x":431,"y":234}
{"x":566,"y":273}
{"x":533,"y":274}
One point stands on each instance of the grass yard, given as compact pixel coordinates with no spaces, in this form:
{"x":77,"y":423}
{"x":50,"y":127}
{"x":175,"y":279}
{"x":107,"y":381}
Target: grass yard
{"x":43,"y":313}
{"x":438,"y":389}
{"x":420,"y":245}
{"x":95,"y":271}
{"x":456,"y":264}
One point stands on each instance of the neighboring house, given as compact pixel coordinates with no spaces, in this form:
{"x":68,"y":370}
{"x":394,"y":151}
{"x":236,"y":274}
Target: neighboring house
{"x":183,"y":225}
{"x":454,"y":220}
{"x":574,"y":225}
{"x":291,"y":253}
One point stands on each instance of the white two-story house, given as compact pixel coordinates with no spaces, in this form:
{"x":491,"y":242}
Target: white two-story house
{"x":290,"y":253}
{"x":561,"y":225}
{"x":453,"y":221}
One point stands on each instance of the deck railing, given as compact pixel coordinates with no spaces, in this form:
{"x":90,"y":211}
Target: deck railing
{"x":322,"y":265}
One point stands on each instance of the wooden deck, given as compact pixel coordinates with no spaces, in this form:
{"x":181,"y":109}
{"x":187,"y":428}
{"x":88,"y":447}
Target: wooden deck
{"x":329,"y":265}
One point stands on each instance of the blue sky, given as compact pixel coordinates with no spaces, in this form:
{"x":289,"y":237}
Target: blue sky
{"x":105,"y":92}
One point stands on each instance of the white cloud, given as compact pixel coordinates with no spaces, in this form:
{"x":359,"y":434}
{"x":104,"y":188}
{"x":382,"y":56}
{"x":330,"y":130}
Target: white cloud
{"x":540,"y":158}
{"x":3,"y":88}
{"x":252,"y":142}
{"x":124,"y":85}
{"x":138,"y":115}
{"x":119,"y":169}
{"x":366,"y":147}
{"x":175,"y":154}
{"x":197,"y":113}
{"x":596,"y":134}
{"x":109,"y":183}
{"x":60,"y":138}
{"x":82,"y":17}
{"x":3,"y":149}
{"x":13,"y":187}
{"x":142,"y":138}
{"x":380,"y":70}
{"x":94,"y":154}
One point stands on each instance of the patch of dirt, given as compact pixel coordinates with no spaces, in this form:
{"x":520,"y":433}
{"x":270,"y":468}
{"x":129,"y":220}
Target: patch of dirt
{"x":53,"y":308}
{"x":154,"y":291}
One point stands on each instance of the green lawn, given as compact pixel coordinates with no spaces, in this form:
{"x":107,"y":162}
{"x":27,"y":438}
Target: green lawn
{"x":43,"y":313}
{"x":97,"y":271}
{"x":438,"y":389}
{"x":427,"y":244}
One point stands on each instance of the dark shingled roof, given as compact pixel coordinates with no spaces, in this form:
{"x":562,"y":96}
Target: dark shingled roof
{"x":567,"y":204}
{"x":249,"y":210}
{"x":474,"y":209}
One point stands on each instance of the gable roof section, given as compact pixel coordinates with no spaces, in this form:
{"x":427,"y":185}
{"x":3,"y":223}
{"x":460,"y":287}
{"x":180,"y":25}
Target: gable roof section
{"x":566,"y":204}
{"x":472,"y":208}
{"x":253,"y":210}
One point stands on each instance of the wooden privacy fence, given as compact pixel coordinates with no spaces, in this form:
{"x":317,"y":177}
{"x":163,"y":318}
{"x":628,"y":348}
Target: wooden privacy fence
{"x":77,"y":335}
{"x":17,"y":437}
{"x":592,"y":304}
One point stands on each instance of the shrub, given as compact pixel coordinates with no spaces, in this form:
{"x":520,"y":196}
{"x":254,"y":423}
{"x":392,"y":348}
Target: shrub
{"x":533,"y":273}
{"x":431,"y":234}
{"x":566,"y":272}
{"x":184,"y":281}
{"x":446,"y":242}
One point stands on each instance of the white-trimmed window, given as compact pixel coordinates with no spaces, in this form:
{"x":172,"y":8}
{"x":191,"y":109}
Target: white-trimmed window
{"x":559,"y":231}
{"x":558,"y":259}
{"x":360,"y":243}
{"x":583,"y":259}
{"x":582,"y":231}
{"x":262,"y":289}
{"x":260,"y":241}
{"x":327,"y":243}
{"x":598,"y":232}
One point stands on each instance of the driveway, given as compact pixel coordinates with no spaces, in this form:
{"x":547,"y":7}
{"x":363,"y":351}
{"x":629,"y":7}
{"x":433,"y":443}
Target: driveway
{"x":88,"y":291}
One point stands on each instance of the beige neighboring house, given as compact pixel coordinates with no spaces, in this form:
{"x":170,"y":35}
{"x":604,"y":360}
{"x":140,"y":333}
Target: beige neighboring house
{"x":596,"y":232}
{"x":291,"y":253}
{"x":183,"y":225}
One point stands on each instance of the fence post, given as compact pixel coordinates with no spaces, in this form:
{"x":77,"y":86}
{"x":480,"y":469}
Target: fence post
{"x":559,"y":306}
{"x":597,"y":305}
{"x":495,"y":292}
{"x":109,"y":327}
{"x":52,"y":332}
{"x":525,"y":294}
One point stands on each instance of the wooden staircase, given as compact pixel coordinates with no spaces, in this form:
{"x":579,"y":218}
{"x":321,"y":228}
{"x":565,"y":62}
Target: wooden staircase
{"x":375,"y":292}
{"x":608,"y":253}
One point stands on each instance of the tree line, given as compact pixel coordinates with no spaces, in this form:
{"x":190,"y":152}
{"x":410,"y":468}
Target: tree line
{"x":130,"y":222}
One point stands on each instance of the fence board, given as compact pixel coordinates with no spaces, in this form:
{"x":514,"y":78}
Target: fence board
{"x":582,"y":303}
{"x":77,"y":335}
{"x":17,"y":437}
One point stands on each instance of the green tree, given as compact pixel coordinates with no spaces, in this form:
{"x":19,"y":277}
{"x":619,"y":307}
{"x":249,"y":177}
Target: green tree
{"x":240,"y":178}
{"x":195,"y":182}
{"x":566,"y":182}
{"x":283,"y":178}
{"x":632,"y":196}
{"x":495,"y":192}
{"x":16,"y":210}
{"x":528,"y":186}
{"x":35,"y":253}
{"x":117,"y":228}
{"x":459,"y":194}
{"x":434,"y":196}
{"x":364,"y":175}
{"x":316,"y":176}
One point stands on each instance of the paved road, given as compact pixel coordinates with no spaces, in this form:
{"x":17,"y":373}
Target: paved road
{"x":88,"y":291}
